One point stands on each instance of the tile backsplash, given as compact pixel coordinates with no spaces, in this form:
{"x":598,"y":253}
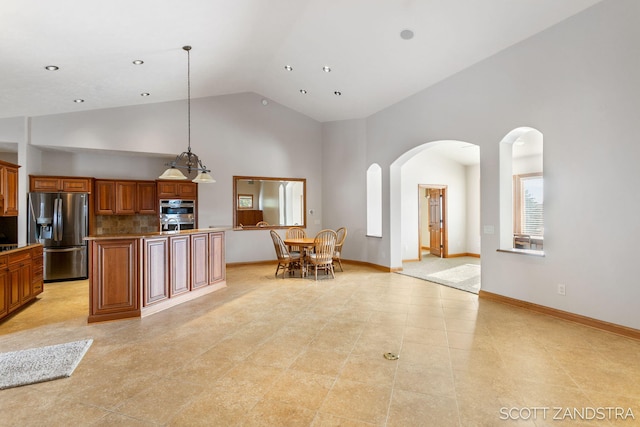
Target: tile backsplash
{"x":124,"y":224}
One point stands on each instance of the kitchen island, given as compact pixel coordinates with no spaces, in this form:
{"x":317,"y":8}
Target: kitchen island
{"x":134,"y":275}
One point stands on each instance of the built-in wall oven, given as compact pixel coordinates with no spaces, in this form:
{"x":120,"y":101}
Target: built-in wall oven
{"x":177,"y":214}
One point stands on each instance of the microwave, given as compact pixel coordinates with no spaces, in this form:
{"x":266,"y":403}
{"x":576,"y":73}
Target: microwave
{"x":176,"y":214}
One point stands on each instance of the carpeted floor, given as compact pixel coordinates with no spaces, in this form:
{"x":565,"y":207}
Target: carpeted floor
{"x":461,"y":272}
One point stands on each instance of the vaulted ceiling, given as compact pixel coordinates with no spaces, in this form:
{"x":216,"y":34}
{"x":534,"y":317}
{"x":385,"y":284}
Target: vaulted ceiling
{"x":244,"y":46}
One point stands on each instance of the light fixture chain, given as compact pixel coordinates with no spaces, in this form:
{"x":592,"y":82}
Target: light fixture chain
{"x":189,"y":98}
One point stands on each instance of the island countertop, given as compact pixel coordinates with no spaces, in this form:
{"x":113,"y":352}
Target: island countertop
{"x":155,"y":234}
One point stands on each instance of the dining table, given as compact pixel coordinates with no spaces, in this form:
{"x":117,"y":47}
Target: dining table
{"x":305,"y":244}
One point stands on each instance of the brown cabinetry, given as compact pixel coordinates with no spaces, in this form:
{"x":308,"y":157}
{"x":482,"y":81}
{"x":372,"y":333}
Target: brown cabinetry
{"x":155,"y":274}
{"x":125,"y":197}
{"x":249,"y":216}
{"x":20,"y":278}
{"x":177,"y":190}
{"x":53,"y":184}
{"x":199,"y":260}
{"x":216,"y":255}
{"x":138,"y":276}
{"x":114,"y":292}
{"x":105,"y":197}
{"x":179,"y":262}
{"x":146,"y":200}
{"x":37,"y":275}
{"x":8,"y":189}
{"x":4,"y":287}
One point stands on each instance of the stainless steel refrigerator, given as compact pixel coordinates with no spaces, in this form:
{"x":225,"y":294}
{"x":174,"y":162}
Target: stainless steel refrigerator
{"x":60,"y":222}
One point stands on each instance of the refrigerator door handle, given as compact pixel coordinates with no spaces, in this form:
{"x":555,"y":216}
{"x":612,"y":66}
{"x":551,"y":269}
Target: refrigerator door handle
{"x":60,"y":230}
{"x":80,"y":248}
{"x":55,"y":219}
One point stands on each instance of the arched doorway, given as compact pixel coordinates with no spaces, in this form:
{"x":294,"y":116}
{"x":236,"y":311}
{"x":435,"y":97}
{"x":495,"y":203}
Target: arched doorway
{"x":452,"y":166}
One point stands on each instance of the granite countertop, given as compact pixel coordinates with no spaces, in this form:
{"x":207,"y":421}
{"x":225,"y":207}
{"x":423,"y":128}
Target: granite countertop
{"x":7,"y":248}
{"x":156,"y":234}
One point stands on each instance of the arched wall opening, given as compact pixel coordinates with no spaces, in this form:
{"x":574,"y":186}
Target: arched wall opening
{"x":521,"y":161}
{"x":414,"y":167}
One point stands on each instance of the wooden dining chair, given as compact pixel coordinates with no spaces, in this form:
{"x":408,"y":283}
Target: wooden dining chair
{"x":262,"y":224}
{"x":322,"y":256}
{"x":337,"y":253}
{"x":295,"y":233}
{"x":286,"y":261}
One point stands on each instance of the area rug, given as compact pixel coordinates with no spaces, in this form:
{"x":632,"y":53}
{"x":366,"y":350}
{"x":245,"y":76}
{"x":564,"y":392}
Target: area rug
{"x":461,"y":273}
{"x":18,"y":368}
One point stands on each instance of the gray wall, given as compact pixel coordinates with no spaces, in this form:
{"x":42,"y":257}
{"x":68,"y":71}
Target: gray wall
{"x":577,"y":83}
{"x":233,"y":135}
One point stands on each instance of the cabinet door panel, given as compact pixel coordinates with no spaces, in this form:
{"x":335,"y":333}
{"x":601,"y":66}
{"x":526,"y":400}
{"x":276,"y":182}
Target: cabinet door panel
{"x":10,"y":189}
{"x":105,"y":197}
{"x":199,"y":260}
{"x":125,"y":198}
{"x":216,"y":257}
{"x":115,"y":287}
{"x":4,"y":292}
{"x":187,"y":190}
{"x":26,"y":281}
{"x":179,"y":265}
{"x":146,"y":200}
{"x":15,"y":287}
{"x":156,"y":278}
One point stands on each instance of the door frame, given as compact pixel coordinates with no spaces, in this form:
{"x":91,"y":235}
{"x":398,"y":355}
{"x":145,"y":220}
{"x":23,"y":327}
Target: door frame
{"x":445,"y":231}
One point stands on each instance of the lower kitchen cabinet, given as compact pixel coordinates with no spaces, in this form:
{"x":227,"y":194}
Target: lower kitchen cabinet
{"x":20,"y":278}
{"x":156,"y":275}
{"x":179,"y":262}
{"x":174,"y":268}
{"x":199,"y":260}
{"x":114,"y":291}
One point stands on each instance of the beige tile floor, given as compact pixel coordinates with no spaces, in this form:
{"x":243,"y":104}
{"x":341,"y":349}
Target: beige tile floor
{"x":275,"y":352}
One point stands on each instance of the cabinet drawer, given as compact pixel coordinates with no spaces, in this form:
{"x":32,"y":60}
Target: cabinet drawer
{"x":45,"y":184}
{"x":77,"y":185}
{"x":19,"y":257}
{"x":4,"y":262}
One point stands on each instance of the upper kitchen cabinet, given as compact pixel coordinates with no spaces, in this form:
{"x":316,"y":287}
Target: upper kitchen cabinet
{"x":177,"y":190}
{"x":53,"y":184}
{"x":8,"y":189}
{"x":125,"y":197}
{"x":146,"y":200}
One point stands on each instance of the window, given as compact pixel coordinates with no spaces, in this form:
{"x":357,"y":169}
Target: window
{"x":374,"y":200}
{"x":521,"y":192}
{"x":528,"y":205}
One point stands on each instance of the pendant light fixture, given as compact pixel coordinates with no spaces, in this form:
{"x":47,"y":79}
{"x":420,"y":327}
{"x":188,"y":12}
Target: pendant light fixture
{"x":188,"y":160}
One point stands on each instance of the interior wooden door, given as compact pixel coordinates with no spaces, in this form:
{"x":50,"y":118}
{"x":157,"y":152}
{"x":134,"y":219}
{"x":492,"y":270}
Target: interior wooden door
{"x":435,"y":221}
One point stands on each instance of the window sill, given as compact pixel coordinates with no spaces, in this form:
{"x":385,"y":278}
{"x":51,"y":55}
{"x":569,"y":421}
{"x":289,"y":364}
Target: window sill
{"x":530,"y":252}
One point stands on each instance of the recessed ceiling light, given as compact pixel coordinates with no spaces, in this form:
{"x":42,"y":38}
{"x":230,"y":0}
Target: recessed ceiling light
{"x":303,"y":91}
{"x":145,"y":94}
{"x":264,"y":101}
{"x":406,"y":34}
{"x":337,"y":92}
{"x":288,"y":67}
{"x":138,"y":62}
{"x":51,"y":68}
{"x":326,"y":69}
{"x":78,"y":101}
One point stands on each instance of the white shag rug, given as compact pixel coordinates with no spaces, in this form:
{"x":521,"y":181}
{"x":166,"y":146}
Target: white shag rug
{"x":34,"y":365}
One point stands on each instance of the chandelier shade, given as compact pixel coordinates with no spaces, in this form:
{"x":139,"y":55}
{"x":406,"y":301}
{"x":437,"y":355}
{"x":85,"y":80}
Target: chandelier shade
{"x":187,"y":159}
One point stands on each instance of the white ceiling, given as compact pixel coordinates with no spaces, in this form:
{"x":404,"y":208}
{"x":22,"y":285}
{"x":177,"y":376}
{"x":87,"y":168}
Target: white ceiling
{"x":243,"y":46}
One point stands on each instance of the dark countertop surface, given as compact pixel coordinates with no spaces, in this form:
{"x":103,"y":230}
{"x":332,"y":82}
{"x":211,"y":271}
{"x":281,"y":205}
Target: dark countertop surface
{"x":156,"y":234}
{"x":7,"y":248}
